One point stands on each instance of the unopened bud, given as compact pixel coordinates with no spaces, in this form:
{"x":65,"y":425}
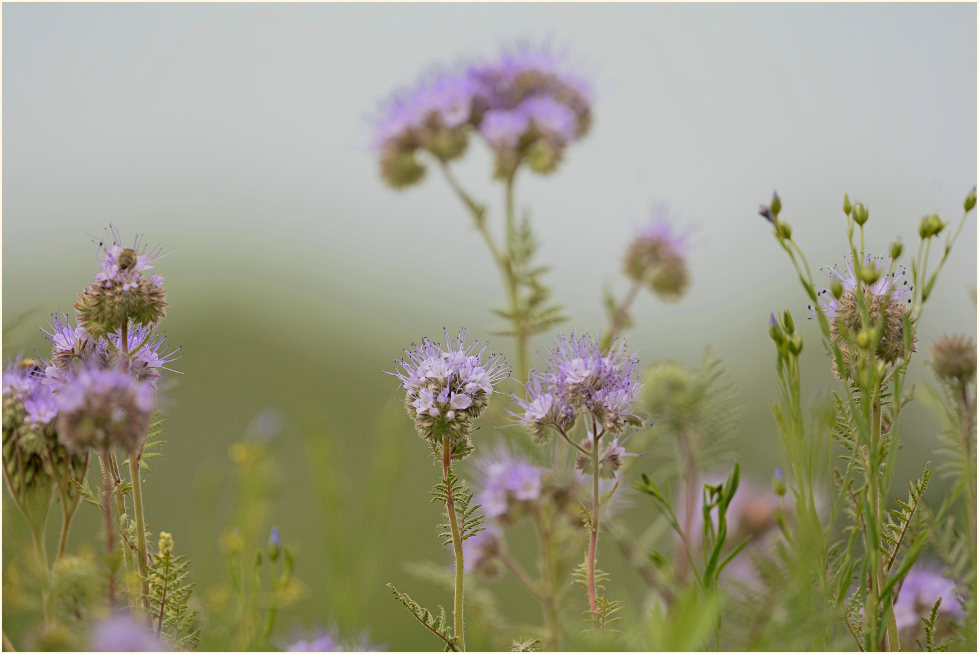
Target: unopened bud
{"x":869,"y":274}
{"x":863,"y":339}
{"x":970,"y":200}
{"x":896,"y":249}
{"x":795,"y":345}
{"x":783,"y":230}
{"x":847,"y":207}
{"x":777,"y":484}
{"x":776,"y":205}
{"x":860,"y":214}
{"x":775,"y":331}
{"x":836,"y":288}
{"x":788,"y":322}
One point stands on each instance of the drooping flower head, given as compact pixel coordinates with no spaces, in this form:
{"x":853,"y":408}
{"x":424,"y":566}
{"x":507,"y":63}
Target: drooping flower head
{"x":120,"y":291}
{"x":447,"y":386}
{"x":888,"y":298}
{"x":104,"y":408}
{"x":657,"y":257}
{"x":581,"y":379}
{"x":123,"y":633}
{"x":507,"y":483}
{"x":433,"y":116}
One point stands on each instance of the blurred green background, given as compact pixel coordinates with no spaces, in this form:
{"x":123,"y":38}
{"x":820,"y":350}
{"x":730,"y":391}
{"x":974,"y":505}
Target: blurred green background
{"x":238,"y":136}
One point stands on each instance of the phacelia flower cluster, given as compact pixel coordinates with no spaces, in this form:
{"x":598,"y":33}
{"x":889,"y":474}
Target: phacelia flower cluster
{"x":481,"y":552}
{"x":104,"y":408}
{"x":657,"y":257}
{"x":508,"y":483}
{"x":120,"y":292}
{"x":447,"y":386}
{"x":526,"y":105}
{"x":582,"y":380}
{"x":28,"y":436}
{"x":888,"y":297}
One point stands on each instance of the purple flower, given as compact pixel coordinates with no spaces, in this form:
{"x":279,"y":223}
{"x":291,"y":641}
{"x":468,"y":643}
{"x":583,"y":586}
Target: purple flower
{"x":921,"y":588}
{"x":19,"y":377}
{"x":148,"y":352}
{"x":123,"y":266}
{"x":896,"y":286}
{"x":506,"y":481}
{"x":40,"y":403}
{"x":579,"y":378}
{"x":328,"y":640}
{"x":657,"y":256}
{"x":556,"y":121}
{"x":104,"y":408}
{"x":447,"y":386}
{"x":441,"y":100}
{"x":502,"y":128}
{"x":122,"y":633}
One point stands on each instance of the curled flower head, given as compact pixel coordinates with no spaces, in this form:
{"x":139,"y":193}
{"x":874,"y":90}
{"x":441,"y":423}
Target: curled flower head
{"x":954,"y":358}
{"x":103,"y":408}
{"x":434,"y":116}
{"x":888,"y":296}
{"x":507,"y":483}
{"x":447,"y":386}
{"x":148,"y":352}
{"x":121,"y":292}
{"x":481,"y":552}
{"x":657,"y":257}
{"x":72,"y":347}
{"x":580,"y":378}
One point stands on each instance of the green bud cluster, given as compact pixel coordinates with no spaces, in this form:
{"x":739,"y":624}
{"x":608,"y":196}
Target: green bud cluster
{"x":930,"y":226}
{"x":787,"y":341}
{"x":104,"y":307}
{"x":886,"y":328}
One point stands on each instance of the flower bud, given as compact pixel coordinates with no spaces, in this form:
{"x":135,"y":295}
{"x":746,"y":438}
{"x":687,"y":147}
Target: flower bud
{"x":836,"y":288}
{"x":861,"y":214}
{"x":543,"y":157}
{"x":863,"y":339}
{"x":795,"y":345}
{"x":165,"y":544}
{"x":783,"y":230}
{"x":766,"y":212}
{"x":776,"y":205}
{"x":970,"y":200}
{"x":777,"y":484}
{"x":869,"y":274}
{"x":788,"y":322}
{"x":896,"y":249}
{"x":401,"y":169}
{"x":775,"y":331}
{"x":847,"y":207}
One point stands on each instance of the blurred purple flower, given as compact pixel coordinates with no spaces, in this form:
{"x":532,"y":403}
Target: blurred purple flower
{"x":504,"y":481}
{"x":921,"y":588}
{"x":122,"y":633}
{"x":104,"y":408}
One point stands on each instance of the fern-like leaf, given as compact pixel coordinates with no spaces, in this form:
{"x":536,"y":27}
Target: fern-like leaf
{"x":437,"y":624}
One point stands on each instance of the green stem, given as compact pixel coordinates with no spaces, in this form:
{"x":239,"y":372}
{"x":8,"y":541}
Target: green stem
{"x":519,"y":328}
{"x":109,"y":528}
{"x":967,"y":427}
{"x":141,"y":557}
{"x":40,"y":551}
{"x":121,"y":508}
{"x":620,"y":314}
{"x":549,"y":583}
{"x":450,"y":509}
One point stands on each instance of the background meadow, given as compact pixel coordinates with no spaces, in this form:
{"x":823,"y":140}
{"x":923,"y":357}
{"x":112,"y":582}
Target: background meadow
{"x":239,"y":137}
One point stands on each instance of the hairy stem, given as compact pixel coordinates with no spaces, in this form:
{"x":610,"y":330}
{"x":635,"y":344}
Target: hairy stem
{"x":40,"y":551}
{"x":689,"y":504}
{"x":141,"y":557}
{"x":109,"y":528}
{"x":593,"y":538}
{"x":121,"y":509}
{"x":967,"y":426}
{"x":450,"y":509}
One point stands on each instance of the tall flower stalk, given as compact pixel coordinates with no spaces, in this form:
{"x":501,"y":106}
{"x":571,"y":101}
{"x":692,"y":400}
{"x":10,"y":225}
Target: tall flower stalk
{"x":447,"y":386}
{"x":868,"y":317}
{"x":527,"y":108}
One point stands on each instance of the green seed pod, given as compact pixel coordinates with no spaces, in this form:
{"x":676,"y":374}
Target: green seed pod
{"x":970,"y":200}
{"x":869,"y":274}
{"x":861,"y":214}
{"x":788,"y":322}
{"x":896,"y":249}
{"x":847,"y":207}
{"x":784,"y":230}
{"x":836,"y":287}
